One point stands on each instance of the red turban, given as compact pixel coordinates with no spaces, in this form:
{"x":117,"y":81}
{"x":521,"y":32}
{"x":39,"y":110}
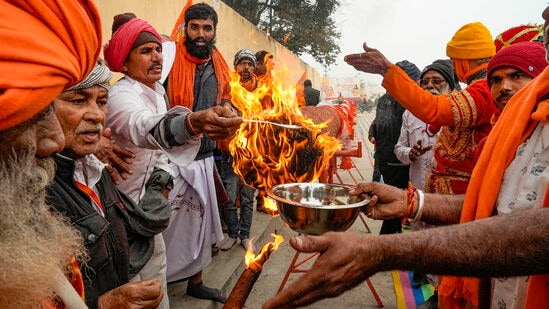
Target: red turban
{"x":117,"y":49}
{"x":523,"y":33}
{"x":49,"y":45}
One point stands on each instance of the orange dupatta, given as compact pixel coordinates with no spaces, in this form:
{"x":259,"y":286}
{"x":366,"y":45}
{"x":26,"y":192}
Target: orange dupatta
{"x":181,"y":79}
{"x":514,"y":126}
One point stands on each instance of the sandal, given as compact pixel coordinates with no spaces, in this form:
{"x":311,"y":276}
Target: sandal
{"x":203,"y":292}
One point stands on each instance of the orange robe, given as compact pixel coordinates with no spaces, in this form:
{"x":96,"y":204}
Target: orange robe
{"x":522,"y":114}
{"x":465,"y":117}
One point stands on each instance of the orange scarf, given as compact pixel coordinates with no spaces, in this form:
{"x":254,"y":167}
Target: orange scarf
{"x":181,"y":79}
{"x":56,"y":48}
{"x":515,"y":125}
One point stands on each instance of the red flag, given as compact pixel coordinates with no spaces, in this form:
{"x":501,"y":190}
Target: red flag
{"x":177,"y":32}
{"x":300,"y":96}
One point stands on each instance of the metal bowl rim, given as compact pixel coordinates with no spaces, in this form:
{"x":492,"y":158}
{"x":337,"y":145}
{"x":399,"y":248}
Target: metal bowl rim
{"x":277,"y":198}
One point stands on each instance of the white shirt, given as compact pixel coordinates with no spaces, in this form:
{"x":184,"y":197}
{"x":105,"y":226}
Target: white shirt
{"x":523,"y":187}
{"x":133,"y":110}
{"x":411,"y":131}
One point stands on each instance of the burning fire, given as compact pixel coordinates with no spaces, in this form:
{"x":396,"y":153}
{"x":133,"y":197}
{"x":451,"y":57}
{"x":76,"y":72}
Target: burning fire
{"x":266,"y":155}
{"x":255,"y":262}
{"x":270,"y":205}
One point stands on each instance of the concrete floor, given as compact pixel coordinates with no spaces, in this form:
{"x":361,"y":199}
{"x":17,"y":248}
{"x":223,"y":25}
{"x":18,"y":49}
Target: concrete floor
{"x":226,"y":267}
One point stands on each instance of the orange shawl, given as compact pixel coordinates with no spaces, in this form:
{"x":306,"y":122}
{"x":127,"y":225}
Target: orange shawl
{"x":48,"y":46}
{"x":515,"y":124}
{"x":181,"y":79}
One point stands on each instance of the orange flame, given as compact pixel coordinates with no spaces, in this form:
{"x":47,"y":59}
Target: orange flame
{"x":267,"y":155}
{"x":270,"y":205}
{"x":256,"y":261}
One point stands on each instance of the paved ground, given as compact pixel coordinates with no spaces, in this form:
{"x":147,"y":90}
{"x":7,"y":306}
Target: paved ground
{"x":226,"y":267}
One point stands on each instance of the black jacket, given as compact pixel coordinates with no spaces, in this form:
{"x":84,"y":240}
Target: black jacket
{"x":312,"y":96}
{"x":105,"y":238}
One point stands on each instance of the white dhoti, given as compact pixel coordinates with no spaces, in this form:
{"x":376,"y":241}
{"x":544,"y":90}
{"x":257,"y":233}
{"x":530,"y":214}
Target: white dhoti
{"x":156,"y":268}
{"x":195,"y":224}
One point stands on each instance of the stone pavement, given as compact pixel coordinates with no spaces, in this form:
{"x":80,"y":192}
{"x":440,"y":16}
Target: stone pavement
{"x":227,"y":266}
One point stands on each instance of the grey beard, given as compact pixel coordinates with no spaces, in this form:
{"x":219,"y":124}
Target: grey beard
{"x":35,"y":243}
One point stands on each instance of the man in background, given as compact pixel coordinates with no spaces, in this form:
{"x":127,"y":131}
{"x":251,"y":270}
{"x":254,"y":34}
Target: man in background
{"x":238,"y":225}
{"x":385,"y":129}
{"x":312,"y":95}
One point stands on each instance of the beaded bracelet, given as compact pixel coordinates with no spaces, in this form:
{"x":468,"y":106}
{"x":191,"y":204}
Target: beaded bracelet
{"x":410,"y":195}
{"x":421,"y":202}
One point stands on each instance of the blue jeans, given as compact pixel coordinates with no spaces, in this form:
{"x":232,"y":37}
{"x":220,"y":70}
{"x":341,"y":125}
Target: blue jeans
{"x":238,"y":227}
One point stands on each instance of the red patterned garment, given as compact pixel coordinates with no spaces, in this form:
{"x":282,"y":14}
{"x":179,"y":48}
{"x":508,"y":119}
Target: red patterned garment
{"x":465,"y":117}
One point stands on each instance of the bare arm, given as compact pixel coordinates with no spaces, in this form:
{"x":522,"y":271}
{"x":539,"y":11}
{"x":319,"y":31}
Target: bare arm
{"x":389,"y":202}
{"x":497,"y":246}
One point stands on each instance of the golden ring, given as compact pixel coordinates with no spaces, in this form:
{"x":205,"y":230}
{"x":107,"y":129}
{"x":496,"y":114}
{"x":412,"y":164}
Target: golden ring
{"x":107,"y":165}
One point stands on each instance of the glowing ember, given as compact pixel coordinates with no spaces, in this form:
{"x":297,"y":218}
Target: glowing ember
{"x":243,"y":287}
{"x":256,"y":262}
{"x":267,"y":155}
{"x":270,"y":205}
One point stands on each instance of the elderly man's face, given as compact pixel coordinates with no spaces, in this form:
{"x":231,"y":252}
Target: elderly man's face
{"x":505,"y":82}
{"x":82,"y":114}
{"x":41,"y":136}
{"x":144,"y":64}
{"x":434,"y":82}
{"x":245,"y":68}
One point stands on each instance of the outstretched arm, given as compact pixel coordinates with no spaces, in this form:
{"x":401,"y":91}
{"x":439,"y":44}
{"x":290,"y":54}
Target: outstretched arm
{"x":497,"y":246}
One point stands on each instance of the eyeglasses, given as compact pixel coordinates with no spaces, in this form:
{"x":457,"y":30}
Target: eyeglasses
{"x":436,"y":81}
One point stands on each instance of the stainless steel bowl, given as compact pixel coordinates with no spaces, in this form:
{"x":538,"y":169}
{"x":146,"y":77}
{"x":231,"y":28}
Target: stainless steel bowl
{"x":316,"y":208}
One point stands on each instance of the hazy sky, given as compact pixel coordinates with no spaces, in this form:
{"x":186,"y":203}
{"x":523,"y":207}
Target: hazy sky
{"x":418,"y":30}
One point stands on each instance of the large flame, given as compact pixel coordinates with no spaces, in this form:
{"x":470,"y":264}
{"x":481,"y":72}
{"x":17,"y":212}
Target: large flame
{"x":266,"y":155}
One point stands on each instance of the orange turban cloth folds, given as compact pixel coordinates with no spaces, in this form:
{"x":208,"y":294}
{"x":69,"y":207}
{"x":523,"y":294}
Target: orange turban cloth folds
{"x":49,"y":45}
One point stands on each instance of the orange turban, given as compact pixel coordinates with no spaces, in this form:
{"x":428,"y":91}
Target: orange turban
{"x":49,"y":45}
{"x":472,"y":41}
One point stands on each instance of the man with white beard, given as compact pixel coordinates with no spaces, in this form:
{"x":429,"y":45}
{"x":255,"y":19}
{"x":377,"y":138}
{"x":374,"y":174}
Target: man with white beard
{"x":416,"y":137}
{"x":57,"y":48}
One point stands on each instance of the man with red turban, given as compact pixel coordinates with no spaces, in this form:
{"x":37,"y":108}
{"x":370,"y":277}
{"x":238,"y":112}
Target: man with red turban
{"x":52,"y":46}
{"x":160,"y":138}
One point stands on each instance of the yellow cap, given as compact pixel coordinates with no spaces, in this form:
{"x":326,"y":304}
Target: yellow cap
{"x":472,"y":41}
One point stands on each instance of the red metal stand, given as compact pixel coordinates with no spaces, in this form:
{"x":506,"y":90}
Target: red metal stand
{"x":294,"y":268}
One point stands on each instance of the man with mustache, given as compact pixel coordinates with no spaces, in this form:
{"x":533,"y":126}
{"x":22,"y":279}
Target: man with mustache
{"x":510,"y":178}
{"x":142,"y":123}
{"x":238,"y":226}
{"x":416,"y":139}
{"x":199,"y":80}
{"x":84,"y":194}
{"x":36,"y":248}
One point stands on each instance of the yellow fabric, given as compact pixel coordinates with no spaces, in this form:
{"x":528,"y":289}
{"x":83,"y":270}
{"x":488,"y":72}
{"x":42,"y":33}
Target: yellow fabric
{"x":472,"y":41}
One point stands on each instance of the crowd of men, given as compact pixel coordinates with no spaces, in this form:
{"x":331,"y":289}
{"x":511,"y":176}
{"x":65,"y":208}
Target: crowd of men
{"x":89,"y":222}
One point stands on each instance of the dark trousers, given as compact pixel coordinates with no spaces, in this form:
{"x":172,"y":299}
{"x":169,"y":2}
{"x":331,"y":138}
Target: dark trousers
{"x":397,"y":176}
